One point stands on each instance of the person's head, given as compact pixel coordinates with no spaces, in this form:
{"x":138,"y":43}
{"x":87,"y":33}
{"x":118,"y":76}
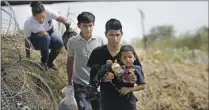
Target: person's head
{"x":38,"y":11}
{"x":127,"y":55}
{"x":113,"y":32}
{"x":86,"y":23}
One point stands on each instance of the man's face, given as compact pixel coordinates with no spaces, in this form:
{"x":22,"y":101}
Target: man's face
{"x":40,"y":17}
{"x":86,"y":29}
{"x":113,"y":37}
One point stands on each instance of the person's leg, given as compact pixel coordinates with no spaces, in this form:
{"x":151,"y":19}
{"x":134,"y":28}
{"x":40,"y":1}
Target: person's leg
{"x":80,"y":97}
{"x":95,"y":104}
{"x":129,"y":104}
{"x":109,"y":105}
{"x":56,"y":46}
{"x":41,"y":43}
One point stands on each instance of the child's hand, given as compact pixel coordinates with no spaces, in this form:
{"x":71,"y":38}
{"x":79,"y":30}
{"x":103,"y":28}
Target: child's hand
{"x":132,"y":78}
{"x":125,"y":90}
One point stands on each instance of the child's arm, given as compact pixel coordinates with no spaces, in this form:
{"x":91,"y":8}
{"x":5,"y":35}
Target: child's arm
{"x":140,"y":82}
{"x":126,"y":90}
{"x":138,"y":87}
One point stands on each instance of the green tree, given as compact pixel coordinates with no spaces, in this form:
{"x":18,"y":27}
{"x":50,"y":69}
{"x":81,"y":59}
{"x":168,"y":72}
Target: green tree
{"x":201,"y":39}
{"x":161,"y":33}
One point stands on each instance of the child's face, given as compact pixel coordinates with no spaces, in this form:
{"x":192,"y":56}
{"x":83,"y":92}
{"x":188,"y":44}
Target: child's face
{"x":127,"y":58}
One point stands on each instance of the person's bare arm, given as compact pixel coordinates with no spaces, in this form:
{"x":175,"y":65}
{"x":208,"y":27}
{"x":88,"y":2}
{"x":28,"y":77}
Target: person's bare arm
{"x":70,"y":60}
{"x":62,"y":20}
{"x":138,"y":87}
{"x":126,"y":90}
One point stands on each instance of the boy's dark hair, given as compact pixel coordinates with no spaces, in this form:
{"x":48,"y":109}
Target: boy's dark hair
{"x":86,"y":17}
{"x":37,"y":7}
{"x":128,"y":48}
{"x":113,"y":24}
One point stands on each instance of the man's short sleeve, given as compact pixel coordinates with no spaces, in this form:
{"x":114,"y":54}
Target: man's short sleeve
{"x":70,"y":47}
{"x":53,"y":14}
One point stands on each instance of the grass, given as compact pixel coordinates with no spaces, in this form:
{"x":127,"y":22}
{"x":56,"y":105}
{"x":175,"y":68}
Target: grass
{"x":171,"y":83}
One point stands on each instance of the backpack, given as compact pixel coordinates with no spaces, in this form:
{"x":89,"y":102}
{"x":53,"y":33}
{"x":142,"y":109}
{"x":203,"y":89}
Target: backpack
{"x":68,"y":34}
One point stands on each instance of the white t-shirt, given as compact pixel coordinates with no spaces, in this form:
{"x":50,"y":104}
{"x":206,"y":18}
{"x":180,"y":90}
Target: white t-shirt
{"x":32,"y":26}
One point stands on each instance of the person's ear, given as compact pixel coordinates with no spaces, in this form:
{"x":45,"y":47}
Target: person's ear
{"x":78,"y":25}
{"x":121,"y":33}
{"x":105,"y":33}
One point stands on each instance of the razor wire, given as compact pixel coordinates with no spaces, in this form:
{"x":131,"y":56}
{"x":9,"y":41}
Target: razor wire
{"x":16,"y":93}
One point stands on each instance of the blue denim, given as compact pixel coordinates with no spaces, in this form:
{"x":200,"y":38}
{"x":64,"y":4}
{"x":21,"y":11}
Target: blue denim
{"x":44,"y":43}
{"x":80,"y":97}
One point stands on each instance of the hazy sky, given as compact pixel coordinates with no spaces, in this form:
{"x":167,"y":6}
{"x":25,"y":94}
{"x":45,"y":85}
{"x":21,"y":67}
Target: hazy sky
{"x":183,"y":15}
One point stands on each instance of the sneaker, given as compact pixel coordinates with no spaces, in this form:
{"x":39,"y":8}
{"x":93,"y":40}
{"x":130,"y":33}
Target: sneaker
{"x":52,"y":66}
{"x":44,"y":66}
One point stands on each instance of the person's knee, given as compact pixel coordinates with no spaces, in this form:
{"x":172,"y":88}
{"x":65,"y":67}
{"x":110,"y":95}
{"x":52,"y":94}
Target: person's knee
{"x":58,"y":45}
{"x":45,"y":38}
{"x":45,"y":42}
{"x":57,"y":42}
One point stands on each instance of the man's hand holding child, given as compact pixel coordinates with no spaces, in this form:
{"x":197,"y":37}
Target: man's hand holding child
{"x":108,"y":77}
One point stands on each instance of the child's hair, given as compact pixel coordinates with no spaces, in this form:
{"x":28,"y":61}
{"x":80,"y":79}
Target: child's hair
{"x":86,"y":17}
{"x":128,"y":48}
{"x":37,"y":7}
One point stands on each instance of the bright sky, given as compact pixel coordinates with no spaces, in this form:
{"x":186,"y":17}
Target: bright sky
{"x":183,"y":15}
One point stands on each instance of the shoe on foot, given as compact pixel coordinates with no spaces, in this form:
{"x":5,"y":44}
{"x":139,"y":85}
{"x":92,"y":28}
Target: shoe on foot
{"x":52,"y":66}
{"x":44,"y":66}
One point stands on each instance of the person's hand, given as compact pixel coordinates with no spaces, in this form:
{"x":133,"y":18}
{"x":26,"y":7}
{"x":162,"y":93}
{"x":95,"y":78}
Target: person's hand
{"x":132,"y":78}
{"x":43,"y":33}
{"x":108,"y":77}
{"x":109,"y":62}
{"x":125,"y":90}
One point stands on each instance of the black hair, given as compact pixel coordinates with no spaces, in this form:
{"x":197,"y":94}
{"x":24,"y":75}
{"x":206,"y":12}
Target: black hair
{"x":113,"y":24}
{"x":128,"y":48}
{"x":37,"y":7}
{"x":86,"y":17}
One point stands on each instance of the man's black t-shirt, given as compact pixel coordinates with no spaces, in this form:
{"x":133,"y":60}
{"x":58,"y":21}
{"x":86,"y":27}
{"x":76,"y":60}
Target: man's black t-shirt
{"x":109,"y":93}
{"x":101,"y":54}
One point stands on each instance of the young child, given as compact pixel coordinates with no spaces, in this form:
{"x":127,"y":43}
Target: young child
{"x":122,"y":81}
{"x":128,"y":56}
